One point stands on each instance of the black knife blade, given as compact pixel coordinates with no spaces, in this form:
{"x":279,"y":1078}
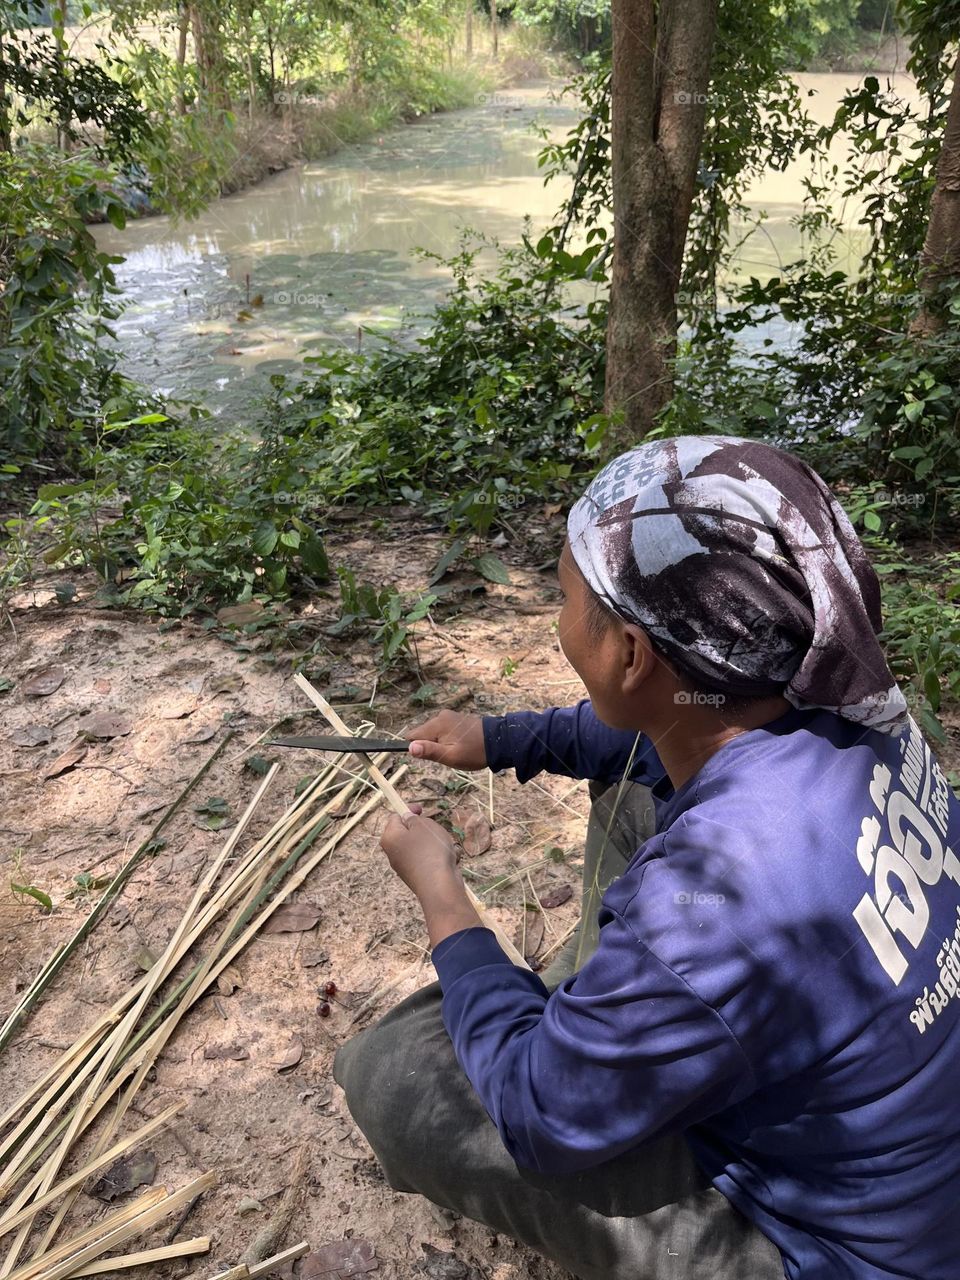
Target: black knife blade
{"x":338,"y":742}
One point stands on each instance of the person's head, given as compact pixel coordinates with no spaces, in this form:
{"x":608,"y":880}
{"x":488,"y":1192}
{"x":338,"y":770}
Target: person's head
{"x":711,"y":567}
{"x":631,"y":683}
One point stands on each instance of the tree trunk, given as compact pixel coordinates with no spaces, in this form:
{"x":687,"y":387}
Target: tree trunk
{"x":658,"y":106}
{"x":6,"y":134}
{"x":940,"y":259}
{"x":208,"y":48}
{"x":494,"y":28}
{"x":469,"y":34}
{"x":183,"y":29}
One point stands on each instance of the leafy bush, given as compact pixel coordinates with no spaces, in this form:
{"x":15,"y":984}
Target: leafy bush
{"x":57,"y":298}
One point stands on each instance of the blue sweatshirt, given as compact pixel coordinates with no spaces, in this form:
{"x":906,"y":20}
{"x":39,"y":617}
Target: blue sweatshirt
{"x":778,"y":976}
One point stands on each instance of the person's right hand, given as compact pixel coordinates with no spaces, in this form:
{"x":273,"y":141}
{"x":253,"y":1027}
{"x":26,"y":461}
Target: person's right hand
{"x":450,"y":738}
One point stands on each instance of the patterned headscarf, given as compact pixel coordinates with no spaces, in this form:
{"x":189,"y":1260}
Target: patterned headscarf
{"x":744,"y":570}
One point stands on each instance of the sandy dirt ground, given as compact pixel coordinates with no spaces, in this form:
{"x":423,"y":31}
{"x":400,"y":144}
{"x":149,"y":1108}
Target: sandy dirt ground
{"x":180,"y":689}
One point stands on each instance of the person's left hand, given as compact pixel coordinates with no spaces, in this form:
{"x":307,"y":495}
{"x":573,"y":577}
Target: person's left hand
{"x":422,"y":854}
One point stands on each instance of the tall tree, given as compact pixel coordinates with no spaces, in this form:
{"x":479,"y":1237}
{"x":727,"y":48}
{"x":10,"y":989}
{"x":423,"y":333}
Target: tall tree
{"x":940,"y":259}
{"x":661,"y":75}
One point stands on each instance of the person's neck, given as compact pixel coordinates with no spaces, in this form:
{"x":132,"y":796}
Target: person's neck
{"x":684,"y":746}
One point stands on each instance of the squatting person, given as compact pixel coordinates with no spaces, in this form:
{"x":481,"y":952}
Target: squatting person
{"x":746,"y":1064}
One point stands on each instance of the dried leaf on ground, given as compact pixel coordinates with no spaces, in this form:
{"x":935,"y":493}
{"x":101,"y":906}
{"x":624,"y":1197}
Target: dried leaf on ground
{"x":556,"y":897}
{"x":439,"y":1265}
{"x":231,"y":1052}
{"x":228,"y":981}
{"x":105,"y":724}
{"x":68,"y":759}
{"x":339,"y":1260}
{"x":292,"y":1056}
{"x":292,"y":917}
{"x":476,"y":829}
{"x":202,"y":735}
{"x":231,"y":683}
{"x":533,"y":940}
{"x":44,"y":682}
{"x":31,"y":735}
{"x":126,"y":1174}
{"x":179,"y":708}
{"x":236,"y":615}
{"x":310,"y":957}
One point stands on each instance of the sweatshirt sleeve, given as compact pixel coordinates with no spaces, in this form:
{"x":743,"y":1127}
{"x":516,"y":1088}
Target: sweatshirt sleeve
{"x":570,"y":741}
{"x":621,"y":1052}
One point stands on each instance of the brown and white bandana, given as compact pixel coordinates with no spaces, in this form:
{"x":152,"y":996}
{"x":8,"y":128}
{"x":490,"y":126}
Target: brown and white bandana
{"x":745,"y":571}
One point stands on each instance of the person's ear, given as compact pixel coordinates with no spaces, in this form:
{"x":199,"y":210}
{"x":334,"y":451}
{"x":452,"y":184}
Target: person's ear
{"x":640,"y":658}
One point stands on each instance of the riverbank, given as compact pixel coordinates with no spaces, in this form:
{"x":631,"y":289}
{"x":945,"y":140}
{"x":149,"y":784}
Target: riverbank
{"x":308,"y":126}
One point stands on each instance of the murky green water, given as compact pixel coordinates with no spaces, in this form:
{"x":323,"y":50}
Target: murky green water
{"x":309,"y":256}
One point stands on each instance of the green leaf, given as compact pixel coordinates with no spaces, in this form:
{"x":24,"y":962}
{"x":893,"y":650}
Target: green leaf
{"x":264,"y":538}
{"x":290,"y":538}
{"x":452,"y":553}
{"x":32,"y":892}
{"x":872,"y":521}
{"x":492,"y":568}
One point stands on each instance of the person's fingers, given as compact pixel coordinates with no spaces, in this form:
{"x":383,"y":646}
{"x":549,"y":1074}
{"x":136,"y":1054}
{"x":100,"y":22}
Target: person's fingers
{"x":428,"y":729}
{"x":425,"y":749}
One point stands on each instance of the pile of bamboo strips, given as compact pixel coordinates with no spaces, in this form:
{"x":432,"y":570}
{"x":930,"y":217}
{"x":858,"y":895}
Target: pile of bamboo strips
{"x":72,"y":1114}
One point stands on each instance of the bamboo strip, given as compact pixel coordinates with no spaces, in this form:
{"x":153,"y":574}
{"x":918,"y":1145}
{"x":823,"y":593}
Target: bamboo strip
{"x":209,"y":970}
{"x":121,"y":1033}
{"x":393,"y":798}
{"x":12,"y":1174}
{"x":160,"y":1037}
{"x":123,"y":1261}
{"x":75,"y":1180}
{"x":119,"y":1217}
{"x":60,"y":957}
{"x":139,"y":1217}
{"x":271,"y":1264}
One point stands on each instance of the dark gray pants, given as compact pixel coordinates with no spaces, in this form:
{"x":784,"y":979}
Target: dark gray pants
{"x":650,"y":1214}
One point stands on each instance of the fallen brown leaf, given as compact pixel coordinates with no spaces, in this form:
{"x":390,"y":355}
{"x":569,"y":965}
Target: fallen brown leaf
{"x":232,"y":1052}
{"x":533,"y":941}
{"x":31,"y":735}
{"x":556,"y":897}
{"x":292,"y":1056}
{"x":105,"y":724}
{"x":238,"y":614}
{"x":126,"y":1174}
{"x":292,"y":917}
{"x":228,"y":981}
{"x":44,"y":682}
{"x":339,"y":1260}
{"x":476,"y":835}
{"x":69,"y":759}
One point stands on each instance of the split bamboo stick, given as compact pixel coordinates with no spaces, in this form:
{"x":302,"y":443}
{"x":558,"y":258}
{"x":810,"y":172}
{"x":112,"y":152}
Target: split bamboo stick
{"x":124,"y":1261}
{"x":126,"y":1225}
{"x":93,"y":1166}
{"x":106,"y":1042}
{"x":62,"y":954}
{"x":393,"y":798}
